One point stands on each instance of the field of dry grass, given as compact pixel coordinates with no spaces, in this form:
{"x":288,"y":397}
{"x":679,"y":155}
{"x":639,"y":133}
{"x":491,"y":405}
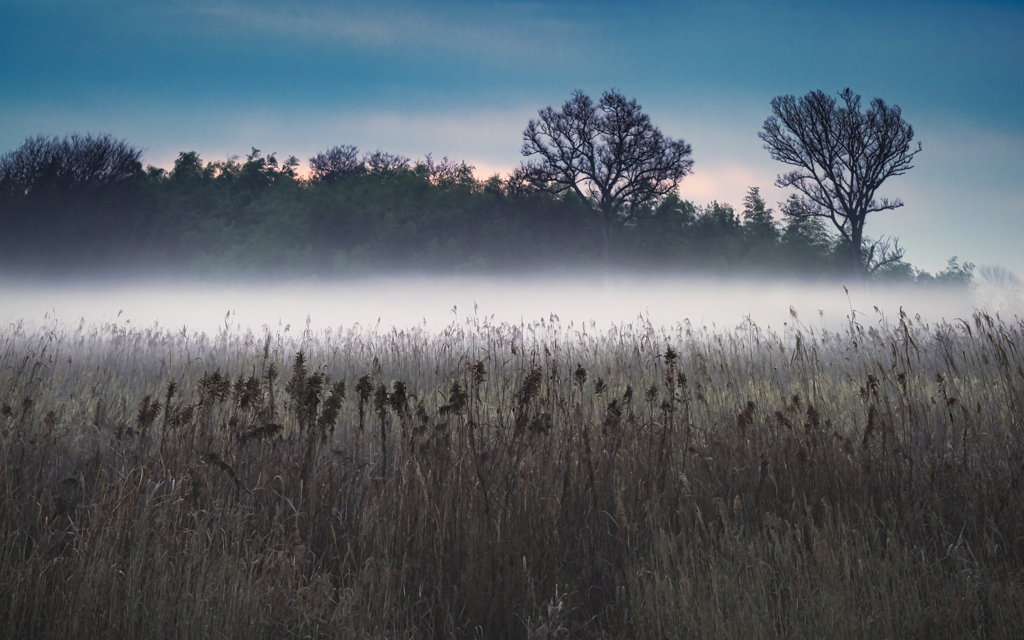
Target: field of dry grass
{"x":532,"y":481}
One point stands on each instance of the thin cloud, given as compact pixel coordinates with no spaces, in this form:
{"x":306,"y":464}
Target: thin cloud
{"x":511,"y":33}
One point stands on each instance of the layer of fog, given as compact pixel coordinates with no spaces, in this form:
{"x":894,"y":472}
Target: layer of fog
{"x":436,"y":302}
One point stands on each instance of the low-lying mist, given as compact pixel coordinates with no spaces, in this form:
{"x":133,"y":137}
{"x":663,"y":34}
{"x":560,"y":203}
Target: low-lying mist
{"x":434,"y":302}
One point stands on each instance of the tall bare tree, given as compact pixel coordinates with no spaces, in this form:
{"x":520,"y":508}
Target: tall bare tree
{"x":609,"y":154}
{"x":842,"y":155}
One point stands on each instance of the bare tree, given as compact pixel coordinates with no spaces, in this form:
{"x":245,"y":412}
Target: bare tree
{"x":842,"y":157}
{"x":385,"y":165}
{"x":609,"y":154}
{"x":69,"y":165}
{"x":882,"y":254}
{"x":446,"y":174}
{"x":336,"y":164}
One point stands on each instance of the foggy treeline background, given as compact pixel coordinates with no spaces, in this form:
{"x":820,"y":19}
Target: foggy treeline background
{"x":88,"y":202}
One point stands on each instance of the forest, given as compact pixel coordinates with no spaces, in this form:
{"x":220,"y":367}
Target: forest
{"x":87,"y":203}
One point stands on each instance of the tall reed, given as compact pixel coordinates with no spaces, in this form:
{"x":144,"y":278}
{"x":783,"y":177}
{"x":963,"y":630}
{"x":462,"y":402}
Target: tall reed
{"x":532,"y":481}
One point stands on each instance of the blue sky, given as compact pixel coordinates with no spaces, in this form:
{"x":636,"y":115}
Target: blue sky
{"x":462,"y":79}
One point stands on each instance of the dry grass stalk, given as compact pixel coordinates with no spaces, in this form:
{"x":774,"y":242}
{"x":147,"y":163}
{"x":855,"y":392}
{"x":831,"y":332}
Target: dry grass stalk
{"x":856,"y":484}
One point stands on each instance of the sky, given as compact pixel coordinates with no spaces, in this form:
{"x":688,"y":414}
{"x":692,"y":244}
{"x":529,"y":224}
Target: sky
{"x":462,"y":79}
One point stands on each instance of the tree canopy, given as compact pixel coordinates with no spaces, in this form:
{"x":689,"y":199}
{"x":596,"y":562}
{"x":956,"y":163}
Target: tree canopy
{"x":372,"y":212}
{"x":608,"y":154}
{"x":842,"y":156}
{"x":72,"y":164}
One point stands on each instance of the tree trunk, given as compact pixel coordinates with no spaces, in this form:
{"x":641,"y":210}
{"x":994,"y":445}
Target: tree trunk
{"x":856,"y":248}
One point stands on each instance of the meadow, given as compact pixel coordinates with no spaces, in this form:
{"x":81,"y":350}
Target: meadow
{"x":495,"y":480}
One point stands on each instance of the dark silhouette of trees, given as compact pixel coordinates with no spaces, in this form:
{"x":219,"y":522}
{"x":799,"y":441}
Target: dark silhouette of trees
{"x":956,"y":273}
{"x":336,"y":164}
{"x":188,"y":168}
{"x":341,"y":162}
{"x":882,"y":254}
{"x":843,"y":156}
{"x":717,"y":220}
{"x":382,"y":211}
{"x":259,"y":172}
{"x":53,"y":191}
{"x":446,"y":174}
{"x":609,"y":154}
{"x":385,"y":166}
{"x":757,"y":217}
{"x":803,"y":234}
{"x":69,"y":165}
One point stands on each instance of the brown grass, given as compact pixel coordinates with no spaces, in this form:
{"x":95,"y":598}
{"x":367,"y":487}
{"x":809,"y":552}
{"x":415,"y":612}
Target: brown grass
{"x":540,"y":481}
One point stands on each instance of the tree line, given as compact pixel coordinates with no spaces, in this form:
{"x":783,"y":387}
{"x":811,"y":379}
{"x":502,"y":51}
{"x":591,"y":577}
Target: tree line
{"x":598,"y":190}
